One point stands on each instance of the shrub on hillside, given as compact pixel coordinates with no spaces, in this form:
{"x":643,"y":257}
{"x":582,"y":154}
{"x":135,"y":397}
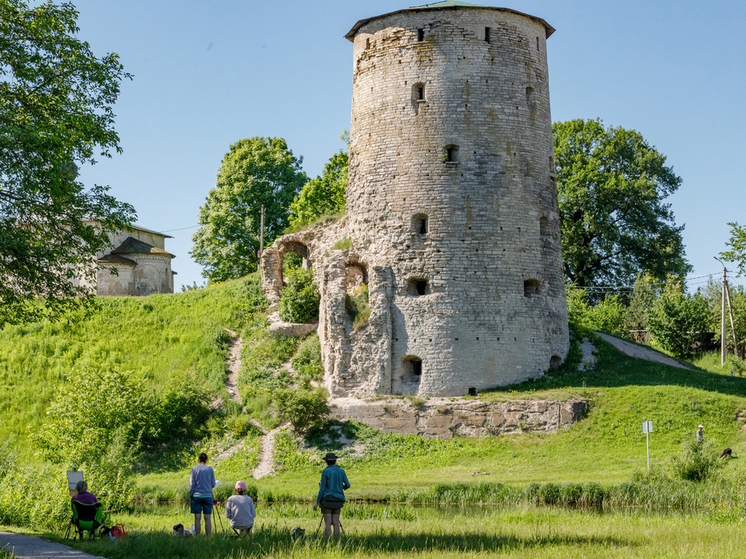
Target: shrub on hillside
{"x":606,"y":316}
{"x":678,"y":321}
{"x":699,"y":461}
{"x":302,"y":408}
{"x":307,"y":360}
{"x":299,"y":301}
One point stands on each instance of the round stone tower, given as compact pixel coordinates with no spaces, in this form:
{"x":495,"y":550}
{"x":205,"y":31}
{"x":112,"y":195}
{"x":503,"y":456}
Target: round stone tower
{"x":452,"y":202}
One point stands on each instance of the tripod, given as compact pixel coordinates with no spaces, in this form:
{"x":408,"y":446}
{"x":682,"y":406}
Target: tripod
{"x":220,"y":518}
{"x":341,"y":528}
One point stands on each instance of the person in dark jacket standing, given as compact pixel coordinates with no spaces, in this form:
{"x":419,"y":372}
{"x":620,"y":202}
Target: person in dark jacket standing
{"x":201,"y":483}
{"x":331,"y":497}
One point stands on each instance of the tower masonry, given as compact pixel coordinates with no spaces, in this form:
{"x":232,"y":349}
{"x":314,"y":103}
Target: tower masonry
{"x":452,"y":214}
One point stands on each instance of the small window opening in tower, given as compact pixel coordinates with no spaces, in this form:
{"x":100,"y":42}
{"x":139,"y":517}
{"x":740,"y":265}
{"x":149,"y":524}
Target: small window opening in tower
{"x":419,"y":224}
{"x":411,"y":375}
{"x":451,"y":154}
{"x":537,"y":44}
{"x":417,"y":287}
{"x":418,"y":92}
{"x":531,"y":288}
{"x":555,"y":362}
{"x":472,"y":391}
{"x":420,"y":34}
{"x":551,"y":164}
{"x":487,"y":35}
{"x":543,"y":227}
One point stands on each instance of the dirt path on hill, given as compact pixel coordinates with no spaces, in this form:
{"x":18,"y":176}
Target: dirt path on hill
{"x":641,"y":352}
{"x":234,"y":365}
{"x":266,"y":455}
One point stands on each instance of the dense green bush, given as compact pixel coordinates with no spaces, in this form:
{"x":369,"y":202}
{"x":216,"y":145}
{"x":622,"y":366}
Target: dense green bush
{"x":699,"y":461}
{"x":606,"y":316}
{"x":299,"y":301}
{"x":302,"y":408}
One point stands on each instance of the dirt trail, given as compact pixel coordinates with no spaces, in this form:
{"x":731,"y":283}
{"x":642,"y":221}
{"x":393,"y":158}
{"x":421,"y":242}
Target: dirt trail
{"x":642,"y":352}
{"x":266,"y":454}
{"x":234,"y":365}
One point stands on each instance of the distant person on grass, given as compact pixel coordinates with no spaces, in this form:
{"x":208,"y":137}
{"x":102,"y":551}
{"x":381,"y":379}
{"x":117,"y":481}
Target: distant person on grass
{"x":239,"y":509}
{"x":201,"y":483}
{"x":331,"y":495}
{"x":83,"y":496}
{"x":700,"y":434}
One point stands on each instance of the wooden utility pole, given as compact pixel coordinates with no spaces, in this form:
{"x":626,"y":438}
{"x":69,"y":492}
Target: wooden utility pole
{"x":722,"y":316}
{"x":261,"y":234}
{"x":732,"y":324}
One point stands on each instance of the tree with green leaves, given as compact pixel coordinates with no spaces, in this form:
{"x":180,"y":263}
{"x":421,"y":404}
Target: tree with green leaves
{"x":678,"y":321}
{"x":643,"y":298}
{"x":737,"y":247}
{"x":56,"y":113}
{"x":322,"y":196}
{"x":612,"y":185}
{"x":255,"y":172}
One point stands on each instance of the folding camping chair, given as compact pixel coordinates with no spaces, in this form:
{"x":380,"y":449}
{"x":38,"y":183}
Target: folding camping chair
{"x":86,"y":518}
{"x":244,"y":531}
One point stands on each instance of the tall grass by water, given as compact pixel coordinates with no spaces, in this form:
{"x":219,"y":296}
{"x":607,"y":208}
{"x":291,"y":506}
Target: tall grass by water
{"x":524,"y":531}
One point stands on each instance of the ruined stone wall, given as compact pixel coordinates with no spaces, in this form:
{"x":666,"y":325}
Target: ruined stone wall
{"x":451,"y":209}
{"x":443,"y":419}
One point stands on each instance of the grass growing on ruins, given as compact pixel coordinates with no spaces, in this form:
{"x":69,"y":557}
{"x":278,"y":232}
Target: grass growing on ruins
{"x":436,"y":532}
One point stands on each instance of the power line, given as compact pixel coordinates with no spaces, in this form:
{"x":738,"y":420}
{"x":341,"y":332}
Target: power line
{"x":180,"y":229}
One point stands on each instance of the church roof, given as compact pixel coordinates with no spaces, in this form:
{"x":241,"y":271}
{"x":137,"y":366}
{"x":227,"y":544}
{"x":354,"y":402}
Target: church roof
{"x":116,"y":259}
{"x":136,"y":246}
{"x":446,"y":4}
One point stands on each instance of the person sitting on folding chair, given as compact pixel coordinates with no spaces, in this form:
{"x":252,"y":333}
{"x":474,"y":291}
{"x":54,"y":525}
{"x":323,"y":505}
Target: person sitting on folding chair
{"x":84,"y":496}
{"x":239,"y":509}
{"x":87,"y":512}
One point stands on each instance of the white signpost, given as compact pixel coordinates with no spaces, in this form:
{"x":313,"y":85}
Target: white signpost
{"x":647,"y":428}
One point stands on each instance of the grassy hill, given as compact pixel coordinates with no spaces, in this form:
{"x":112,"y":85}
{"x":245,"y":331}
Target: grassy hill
{"x":169,"y":337}
{"x":163,"y":338}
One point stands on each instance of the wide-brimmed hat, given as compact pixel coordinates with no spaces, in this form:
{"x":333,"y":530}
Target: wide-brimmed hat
{"x":701,"y":427}
{"x":330,"y":457}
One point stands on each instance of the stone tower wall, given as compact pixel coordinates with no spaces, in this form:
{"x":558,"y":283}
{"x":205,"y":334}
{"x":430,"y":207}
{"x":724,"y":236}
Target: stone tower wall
{"x":494,"y":308}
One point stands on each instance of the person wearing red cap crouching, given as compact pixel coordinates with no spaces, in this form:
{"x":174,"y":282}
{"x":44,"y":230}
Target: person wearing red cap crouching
{"x":239,"y":509}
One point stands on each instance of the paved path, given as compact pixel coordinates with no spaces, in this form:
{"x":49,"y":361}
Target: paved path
{"x":641,"y":352}
{"x":29,"y":547}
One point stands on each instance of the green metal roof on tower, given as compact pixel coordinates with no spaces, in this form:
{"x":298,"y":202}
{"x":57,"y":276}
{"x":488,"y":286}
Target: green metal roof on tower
{"x":444,"y":5}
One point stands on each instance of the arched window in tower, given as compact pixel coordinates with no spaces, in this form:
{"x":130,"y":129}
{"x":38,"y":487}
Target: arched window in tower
{"x":419,"y":224}
{"x":487,"y":34}
{"x":417,"y":287}
{"x":420,"y":34}
{"x":531,"y":288}
{"x":450,"y":154}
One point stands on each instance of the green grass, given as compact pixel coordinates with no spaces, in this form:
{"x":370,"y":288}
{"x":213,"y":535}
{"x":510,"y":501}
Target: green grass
{"x":163,"y":337}
{"x":434,"y":532}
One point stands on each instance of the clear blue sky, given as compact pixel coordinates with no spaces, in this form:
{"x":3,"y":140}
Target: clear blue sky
{"x":207,"y":74}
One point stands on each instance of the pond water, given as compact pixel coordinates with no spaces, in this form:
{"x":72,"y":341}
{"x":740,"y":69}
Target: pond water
{"x":391,"y":511}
